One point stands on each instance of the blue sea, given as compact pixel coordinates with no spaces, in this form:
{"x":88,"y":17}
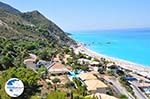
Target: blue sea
{"x":130,"y":45}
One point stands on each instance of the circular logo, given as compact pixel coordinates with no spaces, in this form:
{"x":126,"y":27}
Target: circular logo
{"x":14,"y":87}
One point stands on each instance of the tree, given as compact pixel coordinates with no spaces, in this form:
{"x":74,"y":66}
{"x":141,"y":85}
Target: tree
{"x":66,"y":50}
{"x":100,"y":70}
{"x":31,"y":46}
{"x":45,"y":54}
{"x":70,"y":85}
{"x":56,"y":80}
{"x":120,"y":72}
{"x":77,"y":82}
{"x":110,"y":73}
{"x":69,"y":61}
{"x":28,"y":77}
{"x":42,"y":71}
{"x":5,"y":62}
{"x":80,"y":55}
{"x":35,"y":97}
{"x":49,"y":84}
{"x":83,"y":90}
{"x":84,"y":68}
{"x":104,"y":63}
{"x":123,"y":96}
{"x":56,"y":95}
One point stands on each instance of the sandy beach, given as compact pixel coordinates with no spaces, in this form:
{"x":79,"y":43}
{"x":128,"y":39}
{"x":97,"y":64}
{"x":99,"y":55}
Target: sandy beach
{"x":122,"y":63}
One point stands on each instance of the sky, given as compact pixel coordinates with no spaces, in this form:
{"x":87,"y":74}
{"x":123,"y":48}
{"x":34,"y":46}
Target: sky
{"x":76,"y":15}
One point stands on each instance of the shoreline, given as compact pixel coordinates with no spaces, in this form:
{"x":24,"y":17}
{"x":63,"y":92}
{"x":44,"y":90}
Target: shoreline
{"x":134,"y":67}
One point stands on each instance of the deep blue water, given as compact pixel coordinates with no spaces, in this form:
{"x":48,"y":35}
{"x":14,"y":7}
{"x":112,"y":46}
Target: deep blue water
{"x":131,"y":45}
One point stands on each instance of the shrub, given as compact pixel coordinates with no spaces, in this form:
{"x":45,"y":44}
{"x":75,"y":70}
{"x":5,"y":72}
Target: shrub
{"x":56,"y":95}
{"x":56,"y":80}
{"x":123,"y":96}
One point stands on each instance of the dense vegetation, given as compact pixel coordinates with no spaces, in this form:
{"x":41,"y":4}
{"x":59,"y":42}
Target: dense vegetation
{"x":22,"y":34}
{"x":56,"y":95}
{"x":31,"y":25}
{"x":81,"y":90}
{"x":13,"y":52}
{"x":28,"y":77}
{"x":62,"y":95}
{"x":31,"y":32}
{"x":12,"y":55}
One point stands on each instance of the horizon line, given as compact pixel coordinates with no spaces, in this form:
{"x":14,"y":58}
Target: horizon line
{"x":112,"y":29}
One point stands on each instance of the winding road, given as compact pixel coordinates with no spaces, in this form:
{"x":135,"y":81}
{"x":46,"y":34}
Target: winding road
{"x":118,"y":87}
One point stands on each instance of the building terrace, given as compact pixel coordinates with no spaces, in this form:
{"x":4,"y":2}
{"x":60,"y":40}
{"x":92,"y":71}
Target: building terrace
{"x":92,"y":83}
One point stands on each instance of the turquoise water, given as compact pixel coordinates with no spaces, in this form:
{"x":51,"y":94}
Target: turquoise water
{"x":74,"y":74}
{"x":131,"y":45}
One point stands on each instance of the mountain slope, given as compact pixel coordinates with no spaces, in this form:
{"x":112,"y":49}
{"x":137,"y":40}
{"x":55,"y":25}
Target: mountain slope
{"x":36,"y":18}
{"x":31,"y":25}
{"x":9,"y":8}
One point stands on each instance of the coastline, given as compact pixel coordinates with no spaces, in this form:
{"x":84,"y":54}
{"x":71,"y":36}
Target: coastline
{"x":134,"y":67}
